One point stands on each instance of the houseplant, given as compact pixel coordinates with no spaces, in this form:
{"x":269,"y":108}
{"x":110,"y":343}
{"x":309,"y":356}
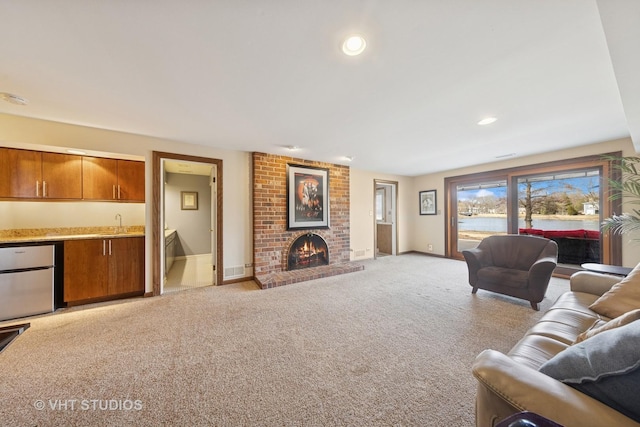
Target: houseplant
{"x":628,"y":189}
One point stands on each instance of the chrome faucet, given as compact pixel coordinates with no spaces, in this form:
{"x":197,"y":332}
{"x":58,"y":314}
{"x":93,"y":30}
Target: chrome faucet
{"x":119,"y":217}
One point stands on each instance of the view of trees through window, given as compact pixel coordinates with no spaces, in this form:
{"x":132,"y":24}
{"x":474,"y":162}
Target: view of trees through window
{"x":562,"y":206}
{"x":573,"y":198}
{"x":482,"y":211}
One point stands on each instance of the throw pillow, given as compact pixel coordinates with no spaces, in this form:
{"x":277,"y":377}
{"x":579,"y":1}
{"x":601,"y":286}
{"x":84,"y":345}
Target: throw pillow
{"x":621,"y":298}
{"x":605,"y":367}
{"x":612,"y":324}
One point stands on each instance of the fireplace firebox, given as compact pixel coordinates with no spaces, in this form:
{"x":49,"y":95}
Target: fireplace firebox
{"x":308,"y":250}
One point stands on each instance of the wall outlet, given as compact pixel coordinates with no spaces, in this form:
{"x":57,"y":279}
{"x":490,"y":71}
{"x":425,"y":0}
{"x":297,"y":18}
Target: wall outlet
{"x":430,"y":247}
{"x":248,"y":265}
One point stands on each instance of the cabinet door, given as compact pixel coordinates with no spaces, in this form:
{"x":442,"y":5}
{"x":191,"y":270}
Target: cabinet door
{"x":5,"y":172}
{"x":131,"y":180}
{"x":126,"y":265}
{"x":61,"y":176}
{"x":99,"y":178}
{"x":86,"y":272}
{"x":20,"y":173}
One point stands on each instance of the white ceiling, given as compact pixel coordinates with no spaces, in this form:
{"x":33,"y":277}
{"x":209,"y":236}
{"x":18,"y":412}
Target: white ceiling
{"x":263,"y":75}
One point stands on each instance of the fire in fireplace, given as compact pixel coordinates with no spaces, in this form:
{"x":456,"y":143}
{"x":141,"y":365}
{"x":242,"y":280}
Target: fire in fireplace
{"x":308,"y":250}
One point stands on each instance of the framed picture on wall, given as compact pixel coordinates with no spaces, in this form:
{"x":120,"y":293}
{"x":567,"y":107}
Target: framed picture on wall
{"x":189,"y":200}
{"x":428,"y":202}
{"x":307,"y":197}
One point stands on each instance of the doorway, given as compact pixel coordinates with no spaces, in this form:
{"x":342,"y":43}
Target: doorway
{"x":385,"y":218}
{"x":187,"y":211}
{"x":187,"y":222}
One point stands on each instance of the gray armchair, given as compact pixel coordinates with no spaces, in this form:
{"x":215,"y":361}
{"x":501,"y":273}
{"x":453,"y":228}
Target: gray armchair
{"x":515,"y":265}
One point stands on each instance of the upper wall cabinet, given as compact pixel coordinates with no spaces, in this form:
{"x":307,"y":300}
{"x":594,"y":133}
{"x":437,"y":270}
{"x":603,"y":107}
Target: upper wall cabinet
{"x":111,"y":179}
{"x":27,"y":174}
{"x":131,"y":180}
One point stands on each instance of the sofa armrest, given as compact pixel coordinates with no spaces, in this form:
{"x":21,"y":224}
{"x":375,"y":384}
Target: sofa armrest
{"x":507,"y":387}
{"x":592,"y":283}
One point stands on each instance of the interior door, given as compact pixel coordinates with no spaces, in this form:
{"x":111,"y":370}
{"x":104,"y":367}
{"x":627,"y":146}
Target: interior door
{"x":214,"y":220}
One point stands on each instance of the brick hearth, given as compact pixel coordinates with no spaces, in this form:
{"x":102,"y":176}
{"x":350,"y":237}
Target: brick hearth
{"x":271,"y":239}
{"x":294,"y":276}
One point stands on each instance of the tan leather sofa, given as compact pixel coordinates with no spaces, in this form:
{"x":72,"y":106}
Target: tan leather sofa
{"x":511,"y":383}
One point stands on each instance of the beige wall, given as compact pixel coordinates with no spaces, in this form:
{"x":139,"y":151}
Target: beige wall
{"x":431,"y":229}
{"x":28,"y":133}
{"x":415,"y":232}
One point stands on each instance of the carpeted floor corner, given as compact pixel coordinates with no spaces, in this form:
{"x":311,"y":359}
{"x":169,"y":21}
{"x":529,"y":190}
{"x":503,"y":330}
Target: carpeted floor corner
{"x":390,"y":345}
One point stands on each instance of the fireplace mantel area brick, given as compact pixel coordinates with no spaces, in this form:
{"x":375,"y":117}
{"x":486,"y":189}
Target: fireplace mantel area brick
{"x":271,"y":239}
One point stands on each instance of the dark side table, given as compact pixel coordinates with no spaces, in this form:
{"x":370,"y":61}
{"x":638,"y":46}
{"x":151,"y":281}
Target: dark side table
{"x":606,"y":269}
{"x":527,"y":419}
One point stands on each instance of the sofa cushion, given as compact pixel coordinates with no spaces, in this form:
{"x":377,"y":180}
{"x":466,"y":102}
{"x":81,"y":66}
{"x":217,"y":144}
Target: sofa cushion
{"x":621,"y":298}
{"x":576,"y":301}
{"x":534,"y":350}
{"x":625,"y":319}
{"x":605,"y":367}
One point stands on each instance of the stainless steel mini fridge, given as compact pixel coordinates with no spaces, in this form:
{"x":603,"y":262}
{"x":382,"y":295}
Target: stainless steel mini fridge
{"x":26,"y":281}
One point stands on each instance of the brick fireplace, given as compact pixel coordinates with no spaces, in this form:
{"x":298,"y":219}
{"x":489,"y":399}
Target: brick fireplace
{"x":272,"y":240}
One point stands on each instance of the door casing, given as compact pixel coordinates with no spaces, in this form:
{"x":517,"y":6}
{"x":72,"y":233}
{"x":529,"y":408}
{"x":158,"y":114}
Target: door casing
{"x":156,"y":227}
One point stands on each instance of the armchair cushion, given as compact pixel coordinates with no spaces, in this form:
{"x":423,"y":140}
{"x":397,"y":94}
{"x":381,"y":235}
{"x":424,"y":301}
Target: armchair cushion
{"x":510,"y":277}
{"x":605,"y":367}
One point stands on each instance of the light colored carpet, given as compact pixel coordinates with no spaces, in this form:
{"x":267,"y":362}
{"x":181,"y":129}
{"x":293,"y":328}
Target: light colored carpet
{"x":390,"y":345}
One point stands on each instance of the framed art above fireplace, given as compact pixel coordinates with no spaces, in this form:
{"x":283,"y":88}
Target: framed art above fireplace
{"x":307,"y":197}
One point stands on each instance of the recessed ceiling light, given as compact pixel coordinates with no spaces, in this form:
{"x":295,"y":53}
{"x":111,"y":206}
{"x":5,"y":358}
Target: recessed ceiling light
{"x":354,"y":45}
{"x":349,"y":158}
{"x":292,"y":147}
{"x":13,"y":99}
{"x":79,"y":152}
{"x":502,"y":156}
{"x":487,"y":121}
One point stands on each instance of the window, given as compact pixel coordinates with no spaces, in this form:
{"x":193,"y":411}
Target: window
{"x":482,"y":211}
{"x":564,"y":207}
{"x":380,"y":204}
{"x":564,"y":201}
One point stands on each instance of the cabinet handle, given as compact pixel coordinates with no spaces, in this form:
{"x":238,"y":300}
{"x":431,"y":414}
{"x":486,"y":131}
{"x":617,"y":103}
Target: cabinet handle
{"x":118,"y":191}
{"x":104,"y":247}
{"x":37,"y":188}
{"x":114,"y":192}
{"x":44,"y":188}
{"x":109,"y":247}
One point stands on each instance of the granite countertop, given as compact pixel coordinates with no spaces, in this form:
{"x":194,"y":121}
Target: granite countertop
{"x":31,"y":235}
